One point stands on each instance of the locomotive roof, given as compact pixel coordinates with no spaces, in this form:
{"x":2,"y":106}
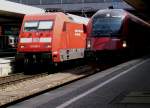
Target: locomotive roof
{"x":111,"y":12}
{"x":52,"y":15}
{"x":46,"y":13}
{"x":68,"y":17}
{"x":119,"y":13}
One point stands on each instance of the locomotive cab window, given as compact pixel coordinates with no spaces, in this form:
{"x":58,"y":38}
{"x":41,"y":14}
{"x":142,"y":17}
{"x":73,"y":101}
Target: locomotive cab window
{"x":30,"y":26}
{"x":106,"y":26}
{"x":45,"y":25}
{"x":37,"y":25}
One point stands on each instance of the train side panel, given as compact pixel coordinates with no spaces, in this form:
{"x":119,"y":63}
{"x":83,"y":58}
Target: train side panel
{"x":73,"y":41}
{"x":138,"y":36}
{"x":57,"y":36}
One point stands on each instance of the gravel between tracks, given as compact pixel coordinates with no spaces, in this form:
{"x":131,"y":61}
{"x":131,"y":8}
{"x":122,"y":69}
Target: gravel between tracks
{"x":26,"y":88}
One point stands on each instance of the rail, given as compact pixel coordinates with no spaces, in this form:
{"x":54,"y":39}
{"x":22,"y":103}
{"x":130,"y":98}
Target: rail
{"x":15,"y":78}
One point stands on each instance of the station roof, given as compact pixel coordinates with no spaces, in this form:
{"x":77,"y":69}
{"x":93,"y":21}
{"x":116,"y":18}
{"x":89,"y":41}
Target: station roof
{"x":10,"y":11}
{"x":17,"y":8}
{"x":140,"y":5}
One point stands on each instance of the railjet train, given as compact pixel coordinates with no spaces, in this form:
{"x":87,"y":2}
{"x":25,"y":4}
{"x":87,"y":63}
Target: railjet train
{"x":116,"y":32}
{"x":52,"y":38}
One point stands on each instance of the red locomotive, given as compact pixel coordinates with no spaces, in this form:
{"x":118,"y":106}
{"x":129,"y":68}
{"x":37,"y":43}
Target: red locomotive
{"x":51,"y":37}
{"x":113,"y":31}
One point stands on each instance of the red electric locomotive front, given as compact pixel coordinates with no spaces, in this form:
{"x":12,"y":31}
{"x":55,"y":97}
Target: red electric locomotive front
{"x":50,"y":37}
{"x":115,"y":32}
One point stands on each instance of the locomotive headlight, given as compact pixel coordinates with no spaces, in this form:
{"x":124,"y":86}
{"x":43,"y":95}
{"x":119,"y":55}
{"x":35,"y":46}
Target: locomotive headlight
{"x":124,"y":44}
{"x":55,"y":52}
{"x":22,"y":46}
{"x":48,"y":46}
{"x":88,"y":44}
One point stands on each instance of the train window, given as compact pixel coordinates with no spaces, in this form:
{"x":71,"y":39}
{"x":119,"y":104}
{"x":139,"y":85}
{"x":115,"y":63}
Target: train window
{"x":37,"y":25}
{"x":30,"y":26}
{"x":106,"y":26}
{"x":45,"y":25}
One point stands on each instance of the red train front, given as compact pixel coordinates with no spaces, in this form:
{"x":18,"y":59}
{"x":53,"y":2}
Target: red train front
{"x":117,"y":32}
{"x":50,"y":38}
{"x":105,"y":32}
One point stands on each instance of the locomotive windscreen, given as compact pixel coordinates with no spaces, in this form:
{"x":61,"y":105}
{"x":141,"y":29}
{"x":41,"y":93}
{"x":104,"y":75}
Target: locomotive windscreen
{"x":106,"y":26}
{"x":37,"y":25}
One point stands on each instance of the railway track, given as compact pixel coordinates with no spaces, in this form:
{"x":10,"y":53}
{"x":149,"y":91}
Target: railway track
{"x":12,"y":90}
{"x":15,"y":78}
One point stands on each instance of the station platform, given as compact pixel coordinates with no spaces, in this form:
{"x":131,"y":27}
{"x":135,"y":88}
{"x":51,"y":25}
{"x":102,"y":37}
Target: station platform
{"x":123,"y":86}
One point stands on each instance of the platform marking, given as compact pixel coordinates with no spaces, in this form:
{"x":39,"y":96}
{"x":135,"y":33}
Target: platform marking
{"x":69,"y":102}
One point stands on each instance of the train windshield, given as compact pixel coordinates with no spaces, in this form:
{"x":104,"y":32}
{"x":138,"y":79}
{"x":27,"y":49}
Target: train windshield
{"x":37,"y":25}
{"x":106,"y":26}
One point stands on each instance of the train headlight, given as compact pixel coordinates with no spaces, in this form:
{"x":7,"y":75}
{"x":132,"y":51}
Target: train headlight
{"x":48,"y":46}
{"x":55,"y":52}
{"x":22,"y":46}
{"x":124,"y":44}
{"x":88,"y":44}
